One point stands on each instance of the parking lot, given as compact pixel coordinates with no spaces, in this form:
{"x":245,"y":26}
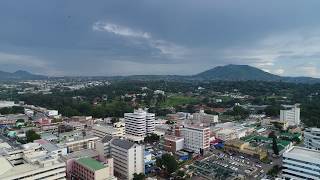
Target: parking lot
{"x":220,"y":163}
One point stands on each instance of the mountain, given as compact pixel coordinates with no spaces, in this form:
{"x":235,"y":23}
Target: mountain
{"x":220,"y":73}
{"x":237,"y":73}
{"x":247,"y":73}
{"x":20,"y":75}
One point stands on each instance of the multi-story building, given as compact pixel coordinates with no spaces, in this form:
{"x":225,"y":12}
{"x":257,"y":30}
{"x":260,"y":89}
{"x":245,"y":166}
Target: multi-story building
{"x":226,"y":134}
{"x":120,"y":127}
{"x":196,"y":138}
{"x":301,"y":163}
{"x":173,"y":143}
{"x":101,"y":131}
{"x":312,"y":138}
{"x":103,"y":145}
{"x":204,"y":117}
{"x":139,"y":123}
{"x":291,"y":114}
{"x":80,"y":143}
{"x":128,"y":158}
{"x":91,"y":169}
{"x":31,"y":162}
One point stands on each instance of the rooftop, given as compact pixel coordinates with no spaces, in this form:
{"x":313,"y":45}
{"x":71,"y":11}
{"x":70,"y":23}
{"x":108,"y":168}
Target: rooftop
{"x":82,"y":153}
{"x":106,"y":138}
{"x":303,"y":154}
{"x":91,"y":164}
{"x":122,"y":143}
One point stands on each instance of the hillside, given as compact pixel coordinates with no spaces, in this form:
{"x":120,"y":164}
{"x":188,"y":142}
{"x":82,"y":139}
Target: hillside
{"x":237,"y":73}
{"x":20,"y":75}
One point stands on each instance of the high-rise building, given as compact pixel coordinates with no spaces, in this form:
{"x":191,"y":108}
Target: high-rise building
{"x":312,"y":138}
{"x":291,"y":114}
{"x":196,"y":138}
{"x":128,"y":158}
{"x":139,"y":123}
{"x":301,"y":163}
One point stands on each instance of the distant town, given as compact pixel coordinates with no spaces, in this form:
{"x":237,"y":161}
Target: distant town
{"x":154,"y":129}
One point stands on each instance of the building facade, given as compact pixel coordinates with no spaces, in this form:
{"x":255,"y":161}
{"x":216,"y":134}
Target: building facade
{"x":173,"y":143}
{"x":312,"y":138}
{"x":301,"y":163}
{"x":291,"y":114}
{"x":139,"y":123}
{"x":101,"y":131}
{"x":196,"y":138}
{"x":128,"y":158}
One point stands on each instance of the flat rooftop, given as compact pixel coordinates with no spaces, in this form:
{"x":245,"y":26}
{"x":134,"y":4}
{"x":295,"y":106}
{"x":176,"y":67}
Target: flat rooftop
{"x":304,"y":152}
{"x":90,"y":163}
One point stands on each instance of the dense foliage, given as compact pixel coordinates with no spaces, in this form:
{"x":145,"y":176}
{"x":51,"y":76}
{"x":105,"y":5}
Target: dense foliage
{"x":12,"y":110}
{"x":125,"y":95}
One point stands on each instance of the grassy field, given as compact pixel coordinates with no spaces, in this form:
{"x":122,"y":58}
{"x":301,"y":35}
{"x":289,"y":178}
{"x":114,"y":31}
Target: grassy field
{"x":178,"y":100}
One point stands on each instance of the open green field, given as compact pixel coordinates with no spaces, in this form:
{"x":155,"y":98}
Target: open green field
{"x":179,"y":100}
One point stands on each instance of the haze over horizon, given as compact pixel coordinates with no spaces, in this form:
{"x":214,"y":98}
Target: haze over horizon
{"x":182,"y":37}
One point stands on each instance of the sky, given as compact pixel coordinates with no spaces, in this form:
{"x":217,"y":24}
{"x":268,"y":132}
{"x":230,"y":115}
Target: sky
{"x":177,"y":37}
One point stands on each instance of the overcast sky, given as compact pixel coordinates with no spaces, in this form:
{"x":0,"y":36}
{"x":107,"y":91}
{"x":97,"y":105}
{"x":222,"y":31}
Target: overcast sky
{"x":123,"y":37}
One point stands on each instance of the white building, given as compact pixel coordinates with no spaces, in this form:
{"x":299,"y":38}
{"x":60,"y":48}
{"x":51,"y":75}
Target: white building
{"x":226,"y":134}
{"x":139,"y":123}
{"x":291,"y":114}
{"x":120,"y":127}
{"x":312,"y":138}
{"x":301,"y":163}
{"x":51,"y":113}
{"x":101,"y":131}
{"x":128,"y":158}
{"x":196,"y":138}
{"x":31,"y":162}
{"x":202,"y":116}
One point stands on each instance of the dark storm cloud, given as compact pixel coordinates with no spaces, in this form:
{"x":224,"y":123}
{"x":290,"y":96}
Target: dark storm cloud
{"x":163,"y":37}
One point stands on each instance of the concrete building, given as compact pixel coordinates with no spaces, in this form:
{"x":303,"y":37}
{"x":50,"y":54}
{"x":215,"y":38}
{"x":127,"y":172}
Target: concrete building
{"x":139,"y":123}
{"x":101,"y":131}
{"x":70,"y":158}
{"x":91,"y":169}
{"x":173,"y":143}
{"x":301,"y":163}
{"x":312,"y":138}
{"x":120,"y":127}
{"x":291,"y":114}
{"x":86,"y":142}
{"x":204,"y":117}
{"x":128,"y":158}
{"x":52,"y":113}
{"x":245,"y":148}
{"x":226,"y":134}
{"x":103,"y":145}
{"x":196,"y":138}
{"x":31,"y":162}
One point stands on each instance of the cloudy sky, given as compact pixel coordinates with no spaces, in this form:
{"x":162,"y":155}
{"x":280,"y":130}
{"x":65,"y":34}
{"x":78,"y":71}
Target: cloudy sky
{"x":123,"y":37}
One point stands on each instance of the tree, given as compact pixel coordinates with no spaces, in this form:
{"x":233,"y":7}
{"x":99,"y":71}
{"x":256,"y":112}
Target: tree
{"x":168,"y":162}
{"x":114,"y":120}
{"x":275,"y":146}
{"x":181,"y":174}
{"x":140,"y":176}
{"x":32,"y":135}
{"x":151,"y":138}
{"x":273,"y":110}
{"x":274,"y":143}
{"x":20,"y":121}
